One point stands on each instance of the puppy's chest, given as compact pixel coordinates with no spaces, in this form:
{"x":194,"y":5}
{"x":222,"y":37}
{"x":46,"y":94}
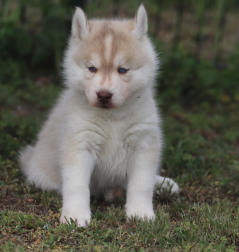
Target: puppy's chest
{"x":117,"y":143}
{"x":116,"y":148}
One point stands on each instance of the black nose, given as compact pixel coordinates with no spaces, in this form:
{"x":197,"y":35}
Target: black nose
{"x":104,"y":96}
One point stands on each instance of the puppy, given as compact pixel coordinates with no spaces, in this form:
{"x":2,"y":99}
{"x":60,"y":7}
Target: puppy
{"x":104,"y":131}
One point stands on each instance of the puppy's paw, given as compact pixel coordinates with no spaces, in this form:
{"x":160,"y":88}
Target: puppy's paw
{"x":140,"y":212}
{"x":81,"y":220}
{"x":166,"y":184}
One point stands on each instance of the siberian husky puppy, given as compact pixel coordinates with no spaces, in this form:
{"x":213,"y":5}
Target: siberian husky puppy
{"x":104,"y":132}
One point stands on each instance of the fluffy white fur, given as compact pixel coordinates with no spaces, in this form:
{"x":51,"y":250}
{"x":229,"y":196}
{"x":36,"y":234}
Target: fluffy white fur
{"x":85,"y":149}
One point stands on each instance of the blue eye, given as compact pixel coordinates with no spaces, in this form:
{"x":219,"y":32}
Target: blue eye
{"x":122,"y":70}
{"x":92,"y":69}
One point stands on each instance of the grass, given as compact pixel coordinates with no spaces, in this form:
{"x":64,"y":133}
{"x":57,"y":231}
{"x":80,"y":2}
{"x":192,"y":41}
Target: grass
{"x":200,"y":226}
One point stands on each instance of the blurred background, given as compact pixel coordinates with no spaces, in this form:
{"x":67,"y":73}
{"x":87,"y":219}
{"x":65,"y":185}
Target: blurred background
{"x":198,"y":42}
{"x":197,"y":90}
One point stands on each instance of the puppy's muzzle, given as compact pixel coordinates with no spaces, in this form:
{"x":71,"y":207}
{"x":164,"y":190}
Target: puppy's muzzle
{"x":104,"y":98}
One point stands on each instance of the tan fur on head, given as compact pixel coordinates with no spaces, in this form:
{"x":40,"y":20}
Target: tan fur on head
{"x":109,"y":45}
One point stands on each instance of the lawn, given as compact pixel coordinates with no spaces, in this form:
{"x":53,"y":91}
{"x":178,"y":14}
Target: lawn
{"x":199,"y":102}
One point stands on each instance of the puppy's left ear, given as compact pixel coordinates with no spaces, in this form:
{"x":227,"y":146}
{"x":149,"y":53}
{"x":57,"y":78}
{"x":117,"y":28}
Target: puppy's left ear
{"x":141,"y":22}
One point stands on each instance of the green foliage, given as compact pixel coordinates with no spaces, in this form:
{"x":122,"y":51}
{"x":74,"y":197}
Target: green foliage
{"x":34,"y":39}
{"x":197,"y":81}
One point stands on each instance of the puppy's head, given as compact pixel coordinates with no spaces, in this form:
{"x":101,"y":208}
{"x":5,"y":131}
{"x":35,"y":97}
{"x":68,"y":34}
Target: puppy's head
{"x":109,"y":60}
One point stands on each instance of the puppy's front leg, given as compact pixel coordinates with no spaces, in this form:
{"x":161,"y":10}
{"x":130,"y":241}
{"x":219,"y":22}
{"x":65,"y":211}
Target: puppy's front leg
{"x":141,"y":180}
{"x":76,"y":173}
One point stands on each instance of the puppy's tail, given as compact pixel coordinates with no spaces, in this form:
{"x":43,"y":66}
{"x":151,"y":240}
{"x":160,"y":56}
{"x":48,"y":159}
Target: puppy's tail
{"x":24,"y":158}
{"x":166,"y":184}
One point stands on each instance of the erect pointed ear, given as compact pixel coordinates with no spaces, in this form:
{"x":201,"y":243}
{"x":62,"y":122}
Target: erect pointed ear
{"x":79,"y":27}
{"x":141,"y":22}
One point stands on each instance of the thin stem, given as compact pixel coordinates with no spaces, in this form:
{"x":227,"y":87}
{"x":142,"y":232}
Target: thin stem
{"x":221,"y":21}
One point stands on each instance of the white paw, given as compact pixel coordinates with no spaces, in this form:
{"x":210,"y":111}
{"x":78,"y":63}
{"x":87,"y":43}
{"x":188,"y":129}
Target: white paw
{"x":166,"y":184}
{"x":81,"y":220}
{"x":140,"y":212}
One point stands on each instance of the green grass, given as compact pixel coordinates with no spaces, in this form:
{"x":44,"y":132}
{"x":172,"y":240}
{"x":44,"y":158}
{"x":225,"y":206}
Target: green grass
{"x":200,"y":226}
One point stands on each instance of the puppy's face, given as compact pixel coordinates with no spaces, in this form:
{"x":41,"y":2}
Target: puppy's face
{"x":111,"y":59}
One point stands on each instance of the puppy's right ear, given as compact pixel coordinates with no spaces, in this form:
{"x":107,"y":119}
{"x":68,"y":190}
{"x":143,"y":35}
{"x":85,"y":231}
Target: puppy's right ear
{"x":79,"y":27}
